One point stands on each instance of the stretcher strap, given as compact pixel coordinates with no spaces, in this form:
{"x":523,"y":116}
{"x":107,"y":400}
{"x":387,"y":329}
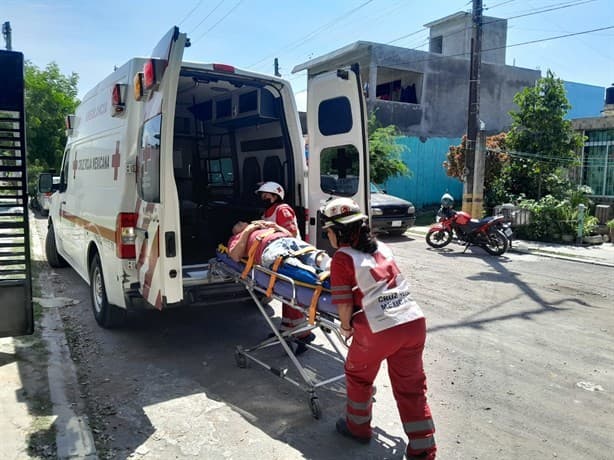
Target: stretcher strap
{"x":251,"y":255}
{"x":313,"y":306}
{"x":273,"y":278}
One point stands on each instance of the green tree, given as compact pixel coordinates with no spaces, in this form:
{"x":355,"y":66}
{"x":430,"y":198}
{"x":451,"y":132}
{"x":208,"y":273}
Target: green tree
{"x":50,"y":96}
{"x":384,"y":153}
{"x":496,"y":159}
{"x":541,"y":142}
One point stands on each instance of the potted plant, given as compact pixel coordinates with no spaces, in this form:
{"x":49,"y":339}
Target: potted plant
{"x":610,"y":224}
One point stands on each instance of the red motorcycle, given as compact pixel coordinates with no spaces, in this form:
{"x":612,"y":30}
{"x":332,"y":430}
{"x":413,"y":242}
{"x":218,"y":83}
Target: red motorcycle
{"x":491,"y":233}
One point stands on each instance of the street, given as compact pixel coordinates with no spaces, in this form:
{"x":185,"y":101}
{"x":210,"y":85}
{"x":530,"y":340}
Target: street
{"x":519,"y":362}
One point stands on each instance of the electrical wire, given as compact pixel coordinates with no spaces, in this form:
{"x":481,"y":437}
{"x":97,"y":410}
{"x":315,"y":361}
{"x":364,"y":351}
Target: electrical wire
{"x":311,"y":34}
{"x":219,"y":21}
{"x":191,"y":11}
{"x":207,"y":16}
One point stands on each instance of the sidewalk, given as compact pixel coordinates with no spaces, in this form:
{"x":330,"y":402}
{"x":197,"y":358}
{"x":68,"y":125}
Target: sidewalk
{"x":597,"y":254}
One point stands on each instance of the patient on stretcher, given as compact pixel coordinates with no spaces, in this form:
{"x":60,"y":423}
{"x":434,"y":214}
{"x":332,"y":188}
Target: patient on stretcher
{"x":275,"y":248}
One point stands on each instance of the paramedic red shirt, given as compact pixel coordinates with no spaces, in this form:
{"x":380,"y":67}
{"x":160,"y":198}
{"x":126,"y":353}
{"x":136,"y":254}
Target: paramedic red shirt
{"x":283,"y":215}
{"x":264,"y":235}
{"x":343,"y":279}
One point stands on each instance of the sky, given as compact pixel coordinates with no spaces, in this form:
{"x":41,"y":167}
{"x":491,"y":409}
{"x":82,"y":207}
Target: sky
{"x":90,"y":37}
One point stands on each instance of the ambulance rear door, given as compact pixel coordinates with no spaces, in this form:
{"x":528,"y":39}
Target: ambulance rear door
{"x":158,"y":238}
{"x":338,"y":144}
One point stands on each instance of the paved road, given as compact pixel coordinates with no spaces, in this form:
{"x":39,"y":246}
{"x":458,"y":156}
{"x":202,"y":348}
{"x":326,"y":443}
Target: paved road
{"x":520,"y":358}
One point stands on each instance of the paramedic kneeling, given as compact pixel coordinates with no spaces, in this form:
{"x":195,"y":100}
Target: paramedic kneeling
{"x":385,"y":323}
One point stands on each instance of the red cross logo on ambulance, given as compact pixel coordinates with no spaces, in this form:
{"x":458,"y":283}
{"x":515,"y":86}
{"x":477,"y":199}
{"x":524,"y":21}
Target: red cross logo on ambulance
{"x":115,"y":161}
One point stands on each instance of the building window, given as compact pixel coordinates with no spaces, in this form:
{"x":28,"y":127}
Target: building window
{"x":436,"y":44}
{"x":598,"y":162}
{"x":398,"y":85}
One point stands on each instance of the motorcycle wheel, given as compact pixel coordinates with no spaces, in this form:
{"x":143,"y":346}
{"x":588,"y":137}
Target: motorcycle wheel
{"x":438,"y":239}
{"x":496,"y":243}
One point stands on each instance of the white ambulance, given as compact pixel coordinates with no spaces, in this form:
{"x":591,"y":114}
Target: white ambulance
{"x":164,"y":156}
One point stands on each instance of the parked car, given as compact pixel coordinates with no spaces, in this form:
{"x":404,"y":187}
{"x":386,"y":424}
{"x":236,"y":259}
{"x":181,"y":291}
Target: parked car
{"x":389,"y":213}
{"x":47,"y":185}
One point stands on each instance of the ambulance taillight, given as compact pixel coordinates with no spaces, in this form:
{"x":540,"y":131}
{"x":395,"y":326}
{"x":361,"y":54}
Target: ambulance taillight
{"x":125,"y":235}
{"x":149,"y":74}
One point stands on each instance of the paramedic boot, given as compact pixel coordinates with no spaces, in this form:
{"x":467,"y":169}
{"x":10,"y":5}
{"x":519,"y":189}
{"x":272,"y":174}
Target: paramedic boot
{"x":342,"y":429}
{"x":301,"y":343}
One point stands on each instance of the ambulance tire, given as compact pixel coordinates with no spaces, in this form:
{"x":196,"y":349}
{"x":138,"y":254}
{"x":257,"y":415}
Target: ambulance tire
{"x":54,"y":259}
{"x":108,"y":316}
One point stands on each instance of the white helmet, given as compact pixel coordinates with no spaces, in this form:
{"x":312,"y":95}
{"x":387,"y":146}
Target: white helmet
{"x":341,"y":211}
{"x":447,"y":201}
{"x":271,"y":187}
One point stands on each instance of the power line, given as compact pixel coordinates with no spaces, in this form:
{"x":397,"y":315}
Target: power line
{"x":206,"y":16}
{"x":220,"y":20}
{"x":191,"y":11}
{"x":486,"y":22}
{"x":302,"y":40}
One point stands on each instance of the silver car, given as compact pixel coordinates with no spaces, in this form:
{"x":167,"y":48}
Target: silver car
{"x":389,"y":213}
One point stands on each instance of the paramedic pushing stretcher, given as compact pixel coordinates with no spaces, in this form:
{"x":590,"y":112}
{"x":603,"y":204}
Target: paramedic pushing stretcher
{"x":376,"y":309}
{"x":272,"y":194}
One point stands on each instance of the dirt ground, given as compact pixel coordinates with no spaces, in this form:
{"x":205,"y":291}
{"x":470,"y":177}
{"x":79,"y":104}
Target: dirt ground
{"x":519,"y":360}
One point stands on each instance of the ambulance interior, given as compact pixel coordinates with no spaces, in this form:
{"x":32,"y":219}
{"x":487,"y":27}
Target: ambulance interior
{"x":230,"y":135}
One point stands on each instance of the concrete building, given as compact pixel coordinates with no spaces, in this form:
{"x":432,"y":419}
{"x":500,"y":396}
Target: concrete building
{"x":597,"y":170}
{"x":425,"y":94}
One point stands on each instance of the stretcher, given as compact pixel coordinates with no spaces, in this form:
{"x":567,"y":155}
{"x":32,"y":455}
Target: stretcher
{"x":311,"y":297}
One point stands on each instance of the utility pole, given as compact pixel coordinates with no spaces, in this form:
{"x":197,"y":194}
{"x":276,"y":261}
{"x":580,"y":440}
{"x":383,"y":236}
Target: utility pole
{"x":478,"y":174}
{"x":276,"y":67}
{"x":473,"y":117}
{"x":6,"y":31}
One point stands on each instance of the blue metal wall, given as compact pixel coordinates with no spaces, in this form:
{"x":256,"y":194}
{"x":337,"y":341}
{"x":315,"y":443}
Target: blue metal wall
{"x":429,"y":180}
{"x":585,"y":100}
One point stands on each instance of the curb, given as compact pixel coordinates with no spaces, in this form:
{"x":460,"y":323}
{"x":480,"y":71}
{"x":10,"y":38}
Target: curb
{"x":74,"y":437}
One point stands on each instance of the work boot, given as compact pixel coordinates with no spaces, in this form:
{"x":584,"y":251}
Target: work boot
{"x":301,"y":343}
{"x":343,"y":429}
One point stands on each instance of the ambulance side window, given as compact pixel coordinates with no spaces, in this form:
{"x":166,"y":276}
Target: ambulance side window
{"x":148,"y":163}
{"x":64,"y":172}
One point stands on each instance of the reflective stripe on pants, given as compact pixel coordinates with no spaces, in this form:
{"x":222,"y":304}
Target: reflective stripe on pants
{"x":402,"y":347}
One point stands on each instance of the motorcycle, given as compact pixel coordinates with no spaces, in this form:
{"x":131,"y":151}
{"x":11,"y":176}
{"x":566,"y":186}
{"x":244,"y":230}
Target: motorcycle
{"x":491,"y":233}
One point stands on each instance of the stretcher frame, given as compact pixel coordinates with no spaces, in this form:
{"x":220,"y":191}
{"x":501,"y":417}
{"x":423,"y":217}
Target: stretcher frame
{"x":326,"y":321}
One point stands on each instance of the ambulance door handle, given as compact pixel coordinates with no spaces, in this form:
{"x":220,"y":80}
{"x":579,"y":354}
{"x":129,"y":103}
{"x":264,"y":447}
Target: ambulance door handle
{"x":142,"y":232}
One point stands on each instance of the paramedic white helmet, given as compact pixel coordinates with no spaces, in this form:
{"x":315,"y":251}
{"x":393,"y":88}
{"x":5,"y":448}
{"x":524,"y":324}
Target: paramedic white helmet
{"x":341,"y":211}
{"x":271,"y":187}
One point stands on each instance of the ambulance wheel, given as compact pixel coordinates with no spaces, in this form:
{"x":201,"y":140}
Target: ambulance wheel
{"x":107,"y":315}
{"x":240,"y":359}
{"x":54,"y":259}
{"x":314,"y":405}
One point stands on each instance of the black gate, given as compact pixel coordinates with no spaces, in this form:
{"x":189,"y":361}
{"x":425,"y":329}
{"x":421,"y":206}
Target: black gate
{"x":16,"y":315}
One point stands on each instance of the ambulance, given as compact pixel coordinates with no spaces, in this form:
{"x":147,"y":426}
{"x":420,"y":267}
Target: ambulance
{"x":163,"y":157}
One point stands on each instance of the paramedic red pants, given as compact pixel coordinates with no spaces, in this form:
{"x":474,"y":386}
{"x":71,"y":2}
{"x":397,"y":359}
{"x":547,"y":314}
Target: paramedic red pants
{"x":402,"y":347}
{"x":290,"y":318}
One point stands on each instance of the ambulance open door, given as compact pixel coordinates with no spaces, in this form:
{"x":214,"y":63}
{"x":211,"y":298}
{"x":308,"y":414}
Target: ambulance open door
{"x":338,"y":144}
{"x":158,"y":238}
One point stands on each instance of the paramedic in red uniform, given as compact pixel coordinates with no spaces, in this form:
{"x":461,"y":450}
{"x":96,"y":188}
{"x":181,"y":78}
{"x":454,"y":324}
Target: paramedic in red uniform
{"x":376,"y":309}
{"x":272,"y":194}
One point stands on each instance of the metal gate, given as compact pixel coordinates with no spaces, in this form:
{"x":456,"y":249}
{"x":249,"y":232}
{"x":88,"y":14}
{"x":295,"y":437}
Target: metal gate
{"x":16,"y":313}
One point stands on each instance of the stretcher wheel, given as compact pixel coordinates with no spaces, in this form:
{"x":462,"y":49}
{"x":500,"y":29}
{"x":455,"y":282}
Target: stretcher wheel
{"x":240,"y":359}
{"x":314,"y":405}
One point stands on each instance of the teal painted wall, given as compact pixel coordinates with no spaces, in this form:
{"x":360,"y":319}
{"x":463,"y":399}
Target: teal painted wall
{"x":429,"y":180}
